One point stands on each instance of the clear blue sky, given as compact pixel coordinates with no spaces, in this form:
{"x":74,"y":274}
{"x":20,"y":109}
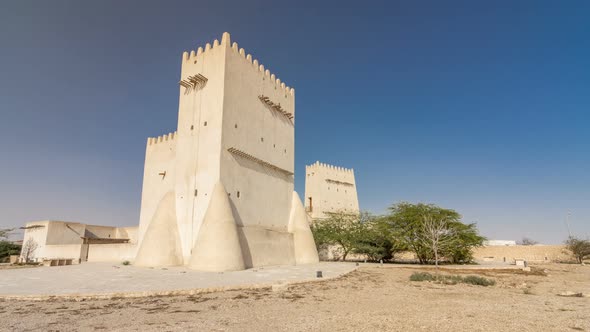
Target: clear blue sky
{"x":483,"y":107}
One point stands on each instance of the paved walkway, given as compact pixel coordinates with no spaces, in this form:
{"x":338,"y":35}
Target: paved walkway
{"x":109,"y":280}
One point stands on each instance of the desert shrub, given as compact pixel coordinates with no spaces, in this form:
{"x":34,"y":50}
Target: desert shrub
{"x":126,"y":263}
{"x":452,"y":279}
{"x":422,"y":276}
{"x":580,"y":248}
{"x":479,"y":281}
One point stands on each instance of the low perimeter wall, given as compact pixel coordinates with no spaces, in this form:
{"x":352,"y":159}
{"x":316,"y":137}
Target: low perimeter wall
{"x":536,"y":253}
{"x":116,"y":252}
{"x":508,"y":254}
{"x":64,"y":251}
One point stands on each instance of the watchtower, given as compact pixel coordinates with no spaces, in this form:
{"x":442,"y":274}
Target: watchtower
{"x":226,"y":174}
{"x":329,"y":189}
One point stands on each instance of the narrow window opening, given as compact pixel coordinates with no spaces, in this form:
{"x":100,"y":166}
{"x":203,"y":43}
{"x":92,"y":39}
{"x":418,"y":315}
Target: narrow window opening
{"x":236,"y":126}
{"x":238,"y":194}
{"x":205,"y":124}
{"x":262,"y":139}
{"x":192,"y":127}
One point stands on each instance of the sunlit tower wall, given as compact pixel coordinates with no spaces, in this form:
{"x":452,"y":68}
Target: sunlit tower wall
{"x":329,"y":189}
{"x":235,"y":128}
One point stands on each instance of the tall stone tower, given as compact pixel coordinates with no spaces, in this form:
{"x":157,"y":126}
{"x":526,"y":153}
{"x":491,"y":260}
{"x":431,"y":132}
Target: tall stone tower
{"x":218,"y":193}
{"x":329,"y":189}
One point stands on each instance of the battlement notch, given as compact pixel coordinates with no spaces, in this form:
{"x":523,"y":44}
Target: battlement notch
{"x":338,"y":169}
{"x":162,"y":138}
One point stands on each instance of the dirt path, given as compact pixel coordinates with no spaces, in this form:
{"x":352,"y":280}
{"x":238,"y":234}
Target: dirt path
{"x":370,"y":299}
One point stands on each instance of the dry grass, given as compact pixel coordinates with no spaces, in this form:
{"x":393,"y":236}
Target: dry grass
{"x":369,"y":299}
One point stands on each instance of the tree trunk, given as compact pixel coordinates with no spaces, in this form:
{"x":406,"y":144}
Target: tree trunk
{"x":436,"y":258}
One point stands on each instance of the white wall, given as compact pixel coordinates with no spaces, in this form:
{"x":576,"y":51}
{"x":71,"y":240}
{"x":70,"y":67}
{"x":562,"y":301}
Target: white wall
{"x":39,"y":236}
{"x":331,"y":188}
{"x":116,"y":252}
{"x":160,"y":157}
{"x":227,"y":113}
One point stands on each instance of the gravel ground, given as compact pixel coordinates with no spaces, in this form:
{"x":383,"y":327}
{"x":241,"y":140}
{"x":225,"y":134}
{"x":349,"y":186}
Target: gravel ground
{"x":372,"y":298}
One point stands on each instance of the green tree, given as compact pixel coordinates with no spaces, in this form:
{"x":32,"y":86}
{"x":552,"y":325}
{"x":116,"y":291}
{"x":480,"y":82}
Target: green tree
{"x":7,"y":249}
{"x":467,"y":237}
{"x":345,"y":230}
{"x":579,"y":248}
{"x":431,"y":232}
{"x":375,"y":242}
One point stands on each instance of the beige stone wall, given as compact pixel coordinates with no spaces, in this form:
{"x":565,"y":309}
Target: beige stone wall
{"x":158,"y":177}
{"x":258,"y":179}
{"x":329,"y":189}
{"x":60,"y":239}
{"x":235,"y":127}
{"x":54,"y":239}
{"x":107,"y":232}
{"x":200,"y":116}
{"x":38,"y":232}
{"x":537,"y":253}
{"x":65,"y":251}
{"x":116,"y":252}
{"x":127,"y":233}
{"x":60,"y":232}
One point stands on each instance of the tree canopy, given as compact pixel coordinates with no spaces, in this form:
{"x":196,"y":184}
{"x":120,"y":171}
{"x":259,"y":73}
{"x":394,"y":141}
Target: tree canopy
{"x":345,"y":230}
{"x":413,"y":227}
{"x":431,"y":232}
{"x":580,"y":248}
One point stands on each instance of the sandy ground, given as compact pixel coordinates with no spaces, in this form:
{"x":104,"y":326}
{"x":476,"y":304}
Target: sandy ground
{"x":372,"y":298}
{"x":108,"y":278}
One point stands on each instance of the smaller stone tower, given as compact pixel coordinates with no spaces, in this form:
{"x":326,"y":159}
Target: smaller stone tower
{"x":329,"y":189}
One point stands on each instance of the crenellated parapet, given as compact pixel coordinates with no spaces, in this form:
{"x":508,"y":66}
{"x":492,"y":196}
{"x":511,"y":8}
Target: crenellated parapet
{"x":195,"y":54}
{"x":160,"y":139}
{"x":193,"y":57}
{"x":332,"y":174}
{"x":318,"y":166}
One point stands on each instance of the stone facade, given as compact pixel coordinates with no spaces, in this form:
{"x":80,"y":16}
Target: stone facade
{"x":329,"y":189}
{"x":235,"y":136}
{"x":80,"y":242}
{"x":218,"y":192}
{"x":535,"y":253}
